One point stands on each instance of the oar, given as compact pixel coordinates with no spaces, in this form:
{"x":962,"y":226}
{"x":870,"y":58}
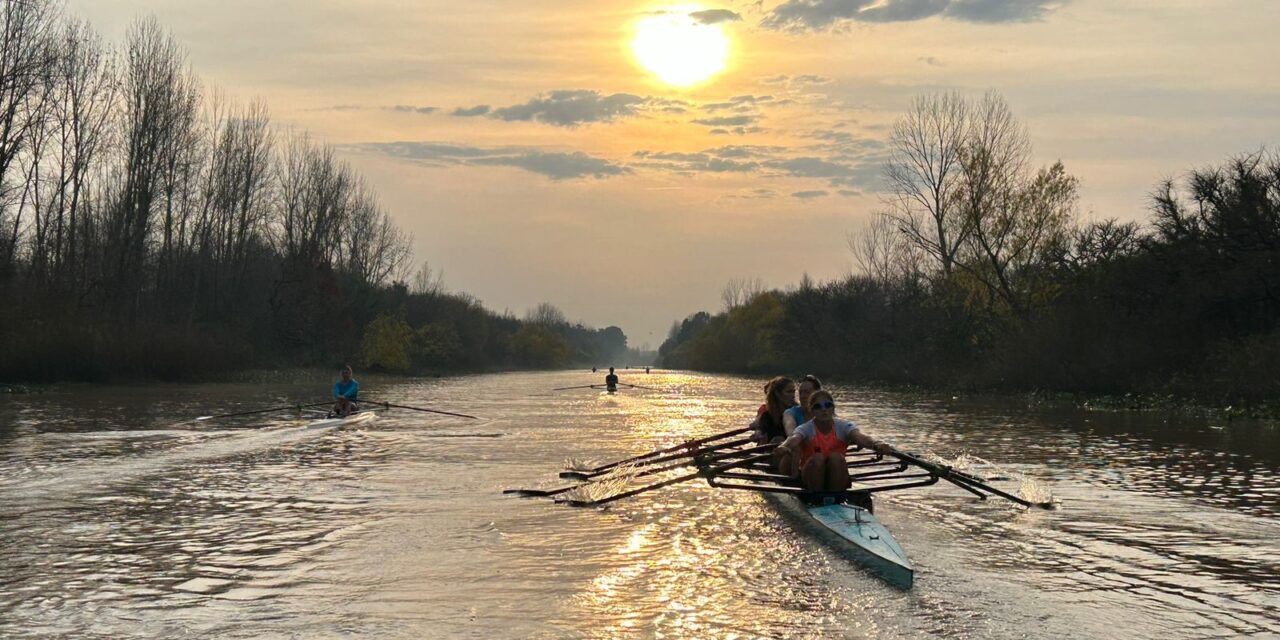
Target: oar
{"x":683,"y":460}
{"x":659,"y":452}
{"x":583,"y":386}
{"x":965,"y":481}
{"x":296,"y":407}
{"x":637,"y":386}
{"x":703,"y":472}
{"x":389,"y":405}
{"x":689,"y":452}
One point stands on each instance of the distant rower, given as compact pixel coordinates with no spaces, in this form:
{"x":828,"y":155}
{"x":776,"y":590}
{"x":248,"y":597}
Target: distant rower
{"x":611,"y":381}
{"x":345,"y":392}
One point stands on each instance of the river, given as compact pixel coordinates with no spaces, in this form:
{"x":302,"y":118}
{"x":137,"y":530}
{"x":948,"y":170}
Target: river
{"x":121,"y":518}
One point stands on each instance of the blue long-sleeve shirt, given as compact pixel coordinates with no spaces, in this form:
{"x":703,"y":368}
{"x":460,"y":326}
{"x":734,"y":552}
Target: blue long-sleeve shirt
{"x":347,"y":390}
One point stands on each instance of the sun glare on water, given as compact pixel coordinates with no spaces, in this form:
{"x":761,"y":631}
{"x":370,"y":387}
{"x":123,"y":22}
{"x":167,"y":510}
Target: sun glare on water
{"x":679,"y":50}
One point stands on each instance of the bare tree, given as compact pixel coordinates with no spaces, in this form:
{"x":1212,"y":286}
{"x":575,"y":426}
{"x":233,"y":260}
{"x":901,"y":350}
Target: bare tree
{"x":82,"y":110}
{"x":161,"y":101}
{"x":317,"y":196}
{"x":740,"y":291}
{"x":27,"y":58}
{"x":547,"y":315}
{"x":883,"y":252}
{"x":428,"y":281}
{"x":1012,"y":217}
{"x":923,"y":172}
{"x":377,"y":251}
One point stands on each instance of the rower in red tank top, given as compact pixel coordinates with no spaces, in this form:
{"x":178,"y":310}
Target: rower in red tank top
{"x":815,"y":452}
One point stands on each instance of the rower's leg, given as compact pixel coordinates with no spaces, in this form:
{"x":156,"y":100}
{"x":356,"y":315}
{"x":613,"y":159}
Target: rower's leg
{"x":787,"y":463}
{"x":837,"y":472}
{"x":814,"y":474}
{"x":775,"y":462}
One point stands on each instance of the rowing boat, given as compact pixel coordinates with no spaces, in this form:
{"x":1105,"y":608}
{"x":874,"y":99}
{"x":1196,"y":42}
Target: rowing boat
{"x":323,"y":419}
{"x":853,"y":531}
{"x":843,"y":519}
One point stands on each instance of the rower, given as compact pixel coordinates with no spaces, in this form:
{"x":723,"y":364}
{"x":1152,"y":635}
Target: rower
{"x":779,"y":395}
{"x":815,"y":452}
{"x":345,"y":392}
{"x":611,"y":381}
{"x":799,"y":414}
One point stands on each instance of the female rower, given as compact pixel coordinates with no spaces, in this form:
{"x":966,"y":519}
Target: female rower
{"x":779,"y":395}
{"x":799,"y":414}
{"x":815,"y":452}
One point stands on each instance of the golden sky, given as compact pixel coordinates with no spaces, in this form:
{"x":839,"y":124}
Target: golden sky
{"x":535,"y":159}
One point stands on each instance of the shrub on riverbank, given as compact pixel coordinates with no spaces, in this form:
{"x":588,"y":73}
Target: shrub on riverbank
{"x":1188,"y":305}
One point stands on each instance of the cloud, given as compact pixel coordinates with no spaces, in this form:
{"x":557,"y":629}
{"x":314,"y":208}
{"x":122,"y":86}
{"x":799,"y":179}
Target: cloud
{"x":809,"y":195}
{"x":715,"y":16}
{"x":754,"y":194}
{"x":408,"y":108}
{"x":1002,"y":10}
{"x":824,"y":15}
{"x":558,"y":166}
{"x":552,"y":164}
{"x":467,"y":112}
{"x":570,"y":108}
{"x":865,"y":172}
{"x":691,"y":163}
{"x":402,"y":108}
{"x":728,"y":121}
{"x":740,"y":103}
{"x":337,"y":107}
{"x":573,"y":107}
{"x":767,"y":161}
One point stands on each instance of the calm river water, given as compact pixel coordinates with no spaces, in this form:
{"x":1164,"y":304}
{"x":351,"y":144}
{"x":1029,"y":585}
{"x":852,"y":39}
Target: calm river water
{"x":118,"y":520}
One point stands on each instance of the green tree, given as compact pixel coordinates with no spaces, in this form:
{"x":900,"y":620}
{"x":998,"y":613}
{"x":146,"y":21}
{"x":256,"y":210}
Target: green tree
{"x":387,"y":342}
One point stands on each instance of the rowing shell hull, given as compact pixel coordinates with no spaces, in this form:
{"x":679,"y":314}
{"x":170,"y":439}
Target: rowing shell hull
{"x":856,"y":533}
{"x":355,"y":418}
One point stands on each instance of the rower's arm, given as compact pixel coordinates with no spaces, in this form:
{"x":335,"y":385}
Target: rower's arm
{"x":867,"y":442}
{"x":789,"y":423}
{"x":792,"y":444}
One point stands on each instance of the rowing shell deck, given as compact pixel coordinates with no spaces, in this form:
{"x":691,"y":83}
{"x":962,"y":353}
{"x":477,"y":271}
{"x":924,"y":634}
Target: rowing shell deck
{"x":323,"y":420}
{"x":854,"y":532}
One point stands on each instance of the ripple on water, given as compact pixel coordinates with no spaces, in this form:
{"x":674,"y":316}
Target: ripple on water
{"x":398,"y":528}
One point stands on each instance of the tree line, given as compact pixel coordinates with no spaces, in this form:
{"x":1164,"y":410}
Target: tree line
{"x":152,"y":227}
{"x":979,"y":272}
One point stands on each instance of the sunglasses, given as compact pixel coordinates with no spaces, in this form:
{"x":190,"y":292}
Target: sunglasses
{"x":823,"y":405}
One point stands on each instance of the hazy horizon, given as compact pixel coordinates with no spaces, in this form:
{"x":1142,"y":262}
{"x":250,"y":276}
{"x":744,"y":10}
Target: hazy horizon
{"x":535,"y":160}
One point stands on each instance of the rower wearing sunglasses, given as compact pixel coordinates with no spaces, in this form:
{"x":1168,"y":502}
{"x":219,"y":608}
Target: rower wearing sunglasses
{"x":815,"y":452}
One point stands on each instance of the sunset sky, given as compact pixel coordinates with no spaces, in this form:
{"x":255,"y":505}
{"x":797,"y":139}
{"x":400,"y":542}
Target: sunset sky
{"x":535,"y":158}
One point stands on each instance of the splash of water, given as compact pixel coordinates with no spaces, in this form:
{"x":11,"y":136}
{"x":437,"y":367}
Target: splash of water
{"x":1028,"y":488}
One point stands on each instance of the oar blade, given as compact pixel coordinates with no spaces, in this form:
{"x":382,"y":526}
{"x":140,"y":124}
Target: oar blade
{"x":528,"y":493}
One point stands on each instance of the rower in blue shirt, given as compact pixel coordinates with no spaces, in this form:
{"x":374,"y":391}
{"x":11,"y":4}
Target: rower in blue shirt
{"x":345,"y":392}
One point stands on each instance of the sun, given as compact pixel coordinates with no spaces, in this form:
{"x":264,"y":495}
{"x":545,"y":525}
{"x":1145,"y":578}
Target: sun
{"x":679,"y":50}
